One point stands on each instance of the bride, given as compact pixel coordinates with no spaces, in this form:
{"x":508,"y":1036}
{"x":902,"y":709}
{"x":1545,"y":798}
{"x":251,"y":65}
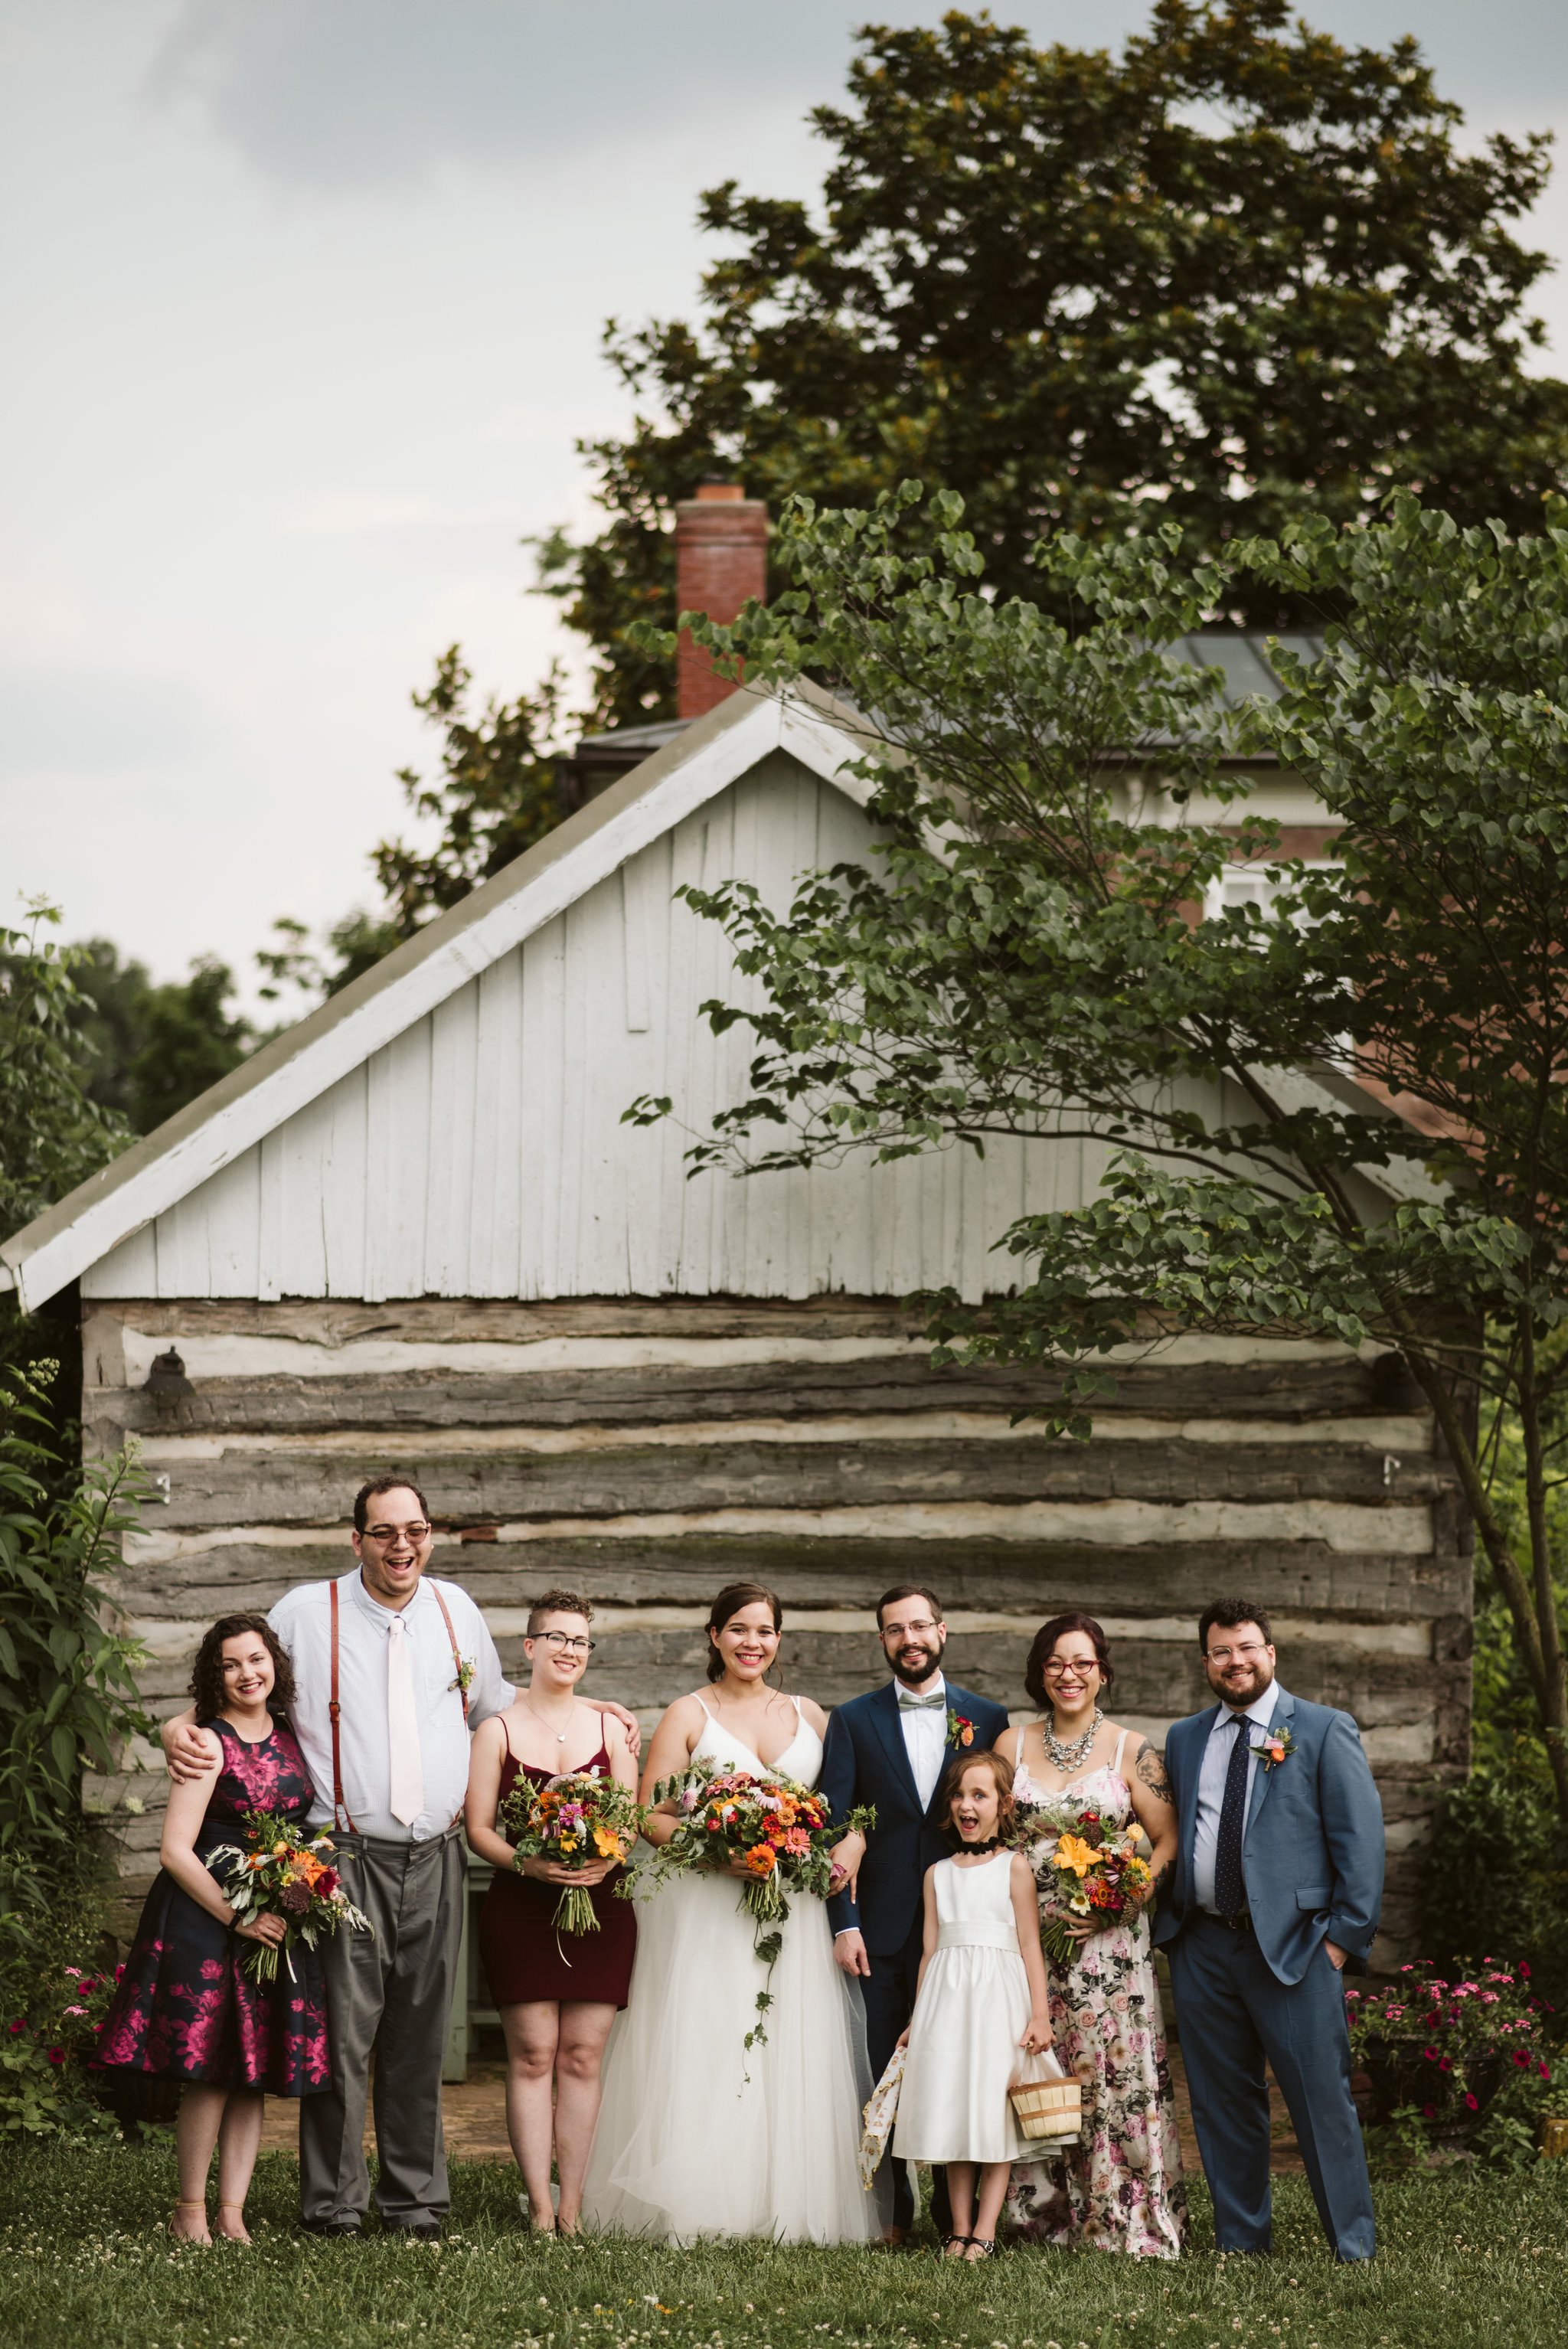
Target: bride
{"x":687,"y":2145}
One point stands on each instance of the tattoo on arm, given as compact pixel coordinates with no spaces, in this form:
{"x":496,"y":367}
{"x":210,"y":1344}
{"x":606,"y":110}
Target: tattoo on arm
{"x":1150,"y":1767}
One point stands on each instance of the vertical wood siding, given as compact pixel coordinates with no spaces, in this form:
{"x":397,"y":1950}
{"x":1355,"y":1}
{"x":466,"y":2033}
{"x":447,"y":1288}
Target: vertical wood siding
{"x":482,"y":1153}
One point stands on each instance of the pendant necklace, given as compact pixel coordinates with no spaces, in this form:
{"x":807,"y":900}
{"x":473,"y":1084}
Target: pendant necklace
{"x":560,"y":1735}
{"x":1067,"y":1757}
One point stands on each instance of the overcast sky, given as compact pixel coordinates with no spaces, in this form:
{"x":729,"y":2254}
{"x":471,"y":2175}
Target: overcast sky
{"x":303,"y":301}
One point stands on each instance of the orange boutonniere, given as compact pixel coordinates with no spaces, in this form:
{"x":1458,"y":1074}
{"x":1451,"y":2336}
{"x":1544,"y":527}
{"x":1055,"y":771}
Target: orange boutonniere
{"x":1278,"y":1745}
{"x":960,"y":1732}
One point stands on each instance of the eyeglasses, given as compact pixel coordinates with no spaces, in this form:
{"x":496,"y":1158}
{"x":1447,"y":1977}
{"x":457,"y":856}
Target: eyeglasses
{"x":1237,"y":1655}
{"x":905,"y":1630}
{"x":562,"y":1645}
{"x":384,"y":1536}
{"x":1055,"y":1670}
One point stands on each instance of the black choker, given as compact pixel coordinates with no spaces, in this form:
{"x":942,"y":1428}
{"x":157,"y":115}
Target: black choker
{"x":992,"y":1843}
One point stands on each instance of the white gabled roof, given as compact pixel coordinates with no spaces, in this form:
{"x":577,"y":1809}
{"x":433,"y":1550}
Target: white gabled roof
{"x":254,"y":1100}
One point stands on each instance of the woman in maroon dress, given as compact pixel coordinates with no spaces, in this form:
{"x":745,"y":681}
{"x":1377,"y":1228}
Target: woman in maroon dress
{"x":185,"y":2008}
{"x":557,"y":1998}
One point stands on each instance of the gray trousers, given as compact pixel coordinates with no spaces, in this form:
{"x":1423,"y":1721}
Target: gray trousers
{"x":392,"y":1995}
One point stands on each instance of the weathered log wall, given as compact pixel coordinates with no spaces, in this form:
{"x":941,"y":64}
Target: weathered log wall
{"x":646,"y":1452}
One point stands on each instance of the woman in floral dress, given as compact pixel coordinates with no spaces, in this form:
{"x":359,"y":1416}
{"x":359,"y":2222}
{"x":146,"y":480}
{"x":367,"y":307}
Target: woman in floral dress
{"x":1121,"y":2188}
{"x":185,"y":2008}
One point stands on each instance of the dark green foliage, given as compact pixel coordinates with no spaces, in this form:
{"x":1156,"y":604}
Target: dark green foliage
{"x":1240,"y":272}
{"x":1495,"y":1882}
{"x":1023,"y":958}
{"x":155,"y":1047}
{"x":52,"y":1134}
{"x":67,"y":1689}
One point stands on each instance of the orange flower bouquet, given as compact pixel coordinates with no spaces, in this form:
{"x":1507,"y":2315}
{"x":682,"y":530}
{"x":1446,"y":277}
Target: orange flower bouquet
{"x":1089,"y":1873}
{"x":783,"y":1831}
{"x":285,"y":1874}
{"x":574,"y":1820}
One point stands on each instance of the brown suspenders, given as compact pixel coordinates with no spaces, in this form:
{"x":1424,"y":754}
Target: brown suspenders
{"x":335,"y":1710}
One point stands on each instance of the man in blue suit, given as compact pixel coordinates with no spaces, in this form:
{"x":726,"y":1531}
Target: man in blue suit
{"x":1275,"y":1889}
{"x":892,"y":1748}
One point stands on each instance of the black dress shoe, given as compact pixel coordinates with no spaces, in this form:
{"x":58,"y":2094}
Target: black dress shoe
{"x":338,"y":2228}
{"x":419,"y":2230}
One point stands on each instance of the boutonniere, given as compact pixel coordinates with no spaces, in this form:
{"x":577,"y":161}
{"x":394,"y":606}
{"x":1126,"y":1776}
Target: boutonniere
{"x":960,"y":1732}
{"x":464,"y":1681}
{"x":1278,"y":1745}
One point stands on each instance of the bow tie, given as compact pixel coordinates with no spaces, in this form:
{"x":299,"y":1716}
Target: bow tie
{"x":907,"y":1703}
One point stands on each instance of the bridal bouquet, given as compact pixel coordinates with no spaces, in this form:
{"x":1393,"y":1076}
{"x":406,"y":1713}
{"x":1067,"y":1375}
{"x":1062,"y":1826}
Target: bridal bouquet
{"x":1089,"y":1872}
{"x":783,"y":1832}
{"x":285,"y":1874}
{"x":574,"y":1820}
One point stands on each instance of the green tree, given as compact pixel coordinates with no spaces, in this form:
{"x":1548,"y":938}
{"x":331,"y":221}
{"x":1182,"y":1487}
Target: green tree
{"x":155,"y":1047}
{"x":1029,"y":956}
{"x":53,"y":1134}
{"x":1240,"y":272}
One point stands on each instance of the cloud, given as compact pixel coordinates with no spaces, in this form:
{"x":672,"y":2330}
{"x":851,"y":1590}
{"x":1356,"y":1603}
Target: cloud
{"x":345,"y":514}
{"x":350,"y":93}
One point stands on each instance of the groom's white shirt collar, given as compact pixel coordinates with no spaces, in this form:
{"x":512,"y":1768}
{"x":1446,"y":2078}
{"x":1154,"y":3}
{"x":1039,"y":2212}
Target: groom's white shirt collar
{"x":922,"y":1696}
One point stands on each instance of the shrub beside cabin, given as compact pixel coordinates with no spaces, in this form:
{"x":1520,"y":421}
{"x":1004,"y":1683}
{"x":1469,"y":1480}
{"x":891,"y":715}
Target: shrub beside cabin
{"x":413,"y":1234}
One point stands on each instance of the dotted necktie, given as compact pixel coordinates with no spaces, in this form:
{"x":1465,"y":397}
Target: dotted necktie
{"x":1230,"y":1884}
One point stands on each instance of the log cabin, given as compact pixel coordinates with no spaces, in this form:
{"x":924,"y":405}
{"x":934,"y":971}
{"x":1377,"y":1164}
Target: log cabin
{"x":412,"y":1233}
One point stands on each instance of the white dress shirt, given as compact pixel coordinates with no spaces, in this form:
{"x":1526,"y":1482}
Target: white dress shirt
{"x":1211,"y":1777}
{"x":303,"y":1621}
{"x":924,"y":1731}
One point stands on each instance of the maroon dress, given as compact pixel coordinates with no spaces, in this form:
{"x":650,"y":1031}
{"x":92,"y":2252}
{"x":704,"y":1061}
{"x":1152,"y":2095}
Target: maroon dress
{"x":524,"y":1957}
{"x":185,"y":2008}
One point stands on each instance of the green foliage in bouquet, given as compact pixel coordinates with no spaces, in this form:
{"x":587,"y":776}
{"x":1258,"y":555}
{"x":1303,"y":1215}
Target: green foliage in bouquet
{"x":574,"y":1821}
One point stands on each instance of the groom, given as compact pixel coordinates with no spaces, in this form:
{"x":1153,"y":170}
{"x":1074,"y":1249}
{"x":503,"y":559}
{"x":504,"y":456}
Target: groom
{"x":892,"y":1748}
{"x":1275,"y":1888}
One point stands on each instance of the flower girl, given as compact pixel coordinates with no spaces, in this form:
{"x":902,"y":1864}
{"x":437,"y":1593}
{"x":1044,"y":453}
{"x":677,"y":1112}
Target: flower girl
{"x":982,"y":1996}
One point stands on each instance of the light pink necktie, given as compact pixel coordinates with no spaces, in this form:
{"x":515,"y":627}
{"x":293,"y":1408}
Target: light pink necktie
{"x":408,"y":1777}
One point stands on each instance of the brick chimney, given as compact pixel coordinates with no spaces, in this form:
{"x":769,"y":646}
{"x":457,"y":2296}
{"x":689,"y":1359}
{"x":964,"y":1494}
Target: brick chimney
{"x":721,"y":563}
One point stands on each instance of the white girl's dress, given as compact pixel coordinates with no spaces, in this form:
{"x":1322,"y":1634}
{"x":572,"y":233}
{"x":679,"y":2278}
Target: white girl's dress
{"x":686,"y":2145}
{"x":969,"y":2019}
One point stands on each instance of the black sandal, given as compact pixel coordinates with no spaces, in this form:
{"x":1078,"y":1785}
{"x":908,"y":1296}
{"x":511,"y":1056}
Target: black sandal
{"x":948,"y":2241}
{"x":984,"y":2246}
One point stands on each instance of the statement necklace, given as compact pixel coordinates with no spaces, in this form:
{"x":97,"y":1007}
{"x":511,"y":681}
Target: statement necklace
{"x":1067,"y":1757}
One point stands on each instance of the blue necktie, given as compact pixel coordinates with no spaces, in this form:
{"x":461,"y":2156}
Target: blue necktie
{"x":1230,"y":1884}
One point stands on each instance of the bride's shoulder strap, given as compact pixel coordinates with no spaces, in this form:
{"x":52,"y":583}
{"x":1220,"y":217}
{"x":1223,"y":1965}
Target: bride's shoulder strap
{"x":796,"y":1703}
{"x":708,"y":1716}
{"x":1116,"y":1757}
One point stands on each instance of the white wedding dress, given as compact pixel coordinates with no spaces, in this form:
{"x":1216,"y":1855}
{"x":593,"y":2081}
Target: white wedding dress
{"x":686,"y":2145}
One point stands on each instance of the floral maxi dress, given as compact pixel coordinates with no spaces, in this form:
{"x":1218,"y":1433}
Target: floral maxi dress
{"x":185,"y":2008}
{"x":1120,"y":2189}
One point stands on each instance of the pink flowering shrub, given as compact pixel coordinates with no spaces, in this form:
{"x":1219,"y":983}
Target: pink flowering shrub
{"x":1458,"y":2070}
{"x":49,"y":2019}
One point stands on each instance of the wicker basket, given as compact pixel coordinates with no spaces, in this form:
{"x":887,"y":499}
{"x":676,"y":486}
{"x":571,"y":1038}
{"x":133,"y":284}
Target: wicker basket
{"x":1048,"y":2108}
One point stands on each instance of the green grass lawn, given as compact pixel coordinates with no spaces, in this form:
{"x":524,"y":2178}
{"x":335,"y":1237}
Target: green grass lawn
{"x":84,"y":2260}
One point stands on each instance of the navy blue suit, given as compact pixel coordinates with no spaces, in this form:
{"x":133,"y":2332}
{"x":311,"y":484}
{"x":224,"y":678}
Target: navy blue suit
{"x":1312,"y":1860}
{"x":865,"y":1761}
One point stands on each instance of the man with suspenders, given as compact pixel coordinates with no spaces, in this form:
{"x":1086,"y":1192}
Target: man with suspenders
{"x":392,"y":1671}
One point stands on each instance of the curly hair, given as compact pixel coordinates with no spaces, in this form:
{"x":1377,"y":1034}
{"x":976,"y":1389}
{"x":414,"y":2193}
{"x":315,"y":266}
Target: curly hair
{"x":1044,"y":1640}
{"x":556,"y":1601}
{"x":1006,"y":1804}
{"x":207,"y":1672}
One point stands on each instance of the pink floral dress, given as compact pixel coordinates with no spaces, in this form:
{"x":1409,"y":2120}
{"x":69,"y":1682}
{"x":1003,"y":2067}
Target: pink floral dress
{"x":1121,"y":2188}
{"x":184,"y":2010}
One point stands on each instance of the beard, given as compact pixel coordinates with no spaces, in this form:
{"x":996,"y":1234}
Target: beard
{"x":1237,"y":1694}
{"x":916,"y":1660}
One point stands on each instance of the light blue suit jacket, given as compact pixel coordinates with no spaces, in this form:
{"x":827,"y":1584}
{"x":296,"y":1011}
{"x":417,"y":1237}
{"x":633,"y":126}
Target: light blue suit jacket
{"x":1312,"y":1851}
